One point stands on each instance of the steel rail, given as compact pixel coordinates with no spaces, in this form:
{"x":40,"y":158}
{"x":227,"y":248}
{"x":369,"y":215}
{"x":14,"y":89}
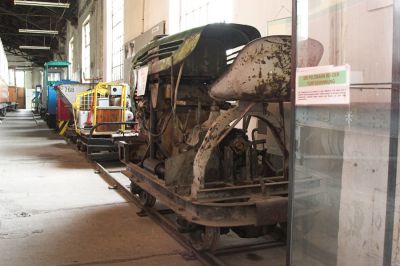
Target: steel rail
{"x":206,"y":258}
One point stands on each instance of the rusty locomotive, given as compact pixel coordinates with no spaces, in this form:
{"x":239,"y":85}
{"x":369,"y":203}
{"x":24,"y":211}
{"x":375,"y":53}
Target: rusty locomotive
{"x":203,"y":102}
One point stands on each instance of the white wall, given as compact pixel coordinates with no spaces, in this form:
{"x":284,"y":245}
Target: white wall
{"x":155,"y":11}
{"x":258,"y":13}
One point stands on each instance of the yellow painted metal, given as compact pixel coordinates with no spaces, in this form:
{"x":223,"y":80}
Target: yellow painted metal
{"x":63,"y":126}
{"x":88,"y":101}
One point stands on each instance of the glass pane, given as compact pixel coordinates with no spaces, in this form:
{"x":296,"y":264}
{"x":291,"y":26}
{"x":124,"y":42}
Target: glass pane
{"x":342,"y":152}
{"x":117,"y":36}
{"x":20,"y":78}
{"x":197,"y":13}
{"x":11,"y":75}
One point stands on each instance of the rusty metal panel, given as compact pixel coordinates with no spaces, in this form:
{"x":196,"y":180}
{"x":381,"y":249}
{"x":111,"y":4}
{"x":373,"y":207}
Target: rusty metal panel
{"x":215,"y":134}
{"x":179,"y":170}
{"x":261,"y":71}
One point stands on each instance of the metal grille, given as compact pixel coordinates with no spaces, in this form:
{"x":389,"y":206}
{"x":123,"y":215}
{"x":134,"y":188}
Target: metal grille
{"x":86,"y":101}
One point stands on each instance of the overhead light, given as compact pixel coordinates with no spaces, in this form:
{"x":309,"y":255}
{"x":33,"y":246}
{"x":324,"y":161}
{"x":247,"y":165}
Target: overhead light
{"x":38,"y":31}
{"x":34,"y":47}
{"x":41,"y":3}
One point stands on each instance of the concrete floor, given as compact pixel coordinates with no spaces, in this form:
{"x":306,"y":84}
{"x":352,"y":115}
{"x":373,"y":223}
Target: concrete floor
{"x":54,"y":210}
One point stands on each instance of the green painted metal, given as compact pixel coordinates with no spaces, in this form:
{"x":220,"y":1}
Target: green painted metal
{"x":60,"y":63}
{"x":54,"y":64}
{"x":172,"y":50}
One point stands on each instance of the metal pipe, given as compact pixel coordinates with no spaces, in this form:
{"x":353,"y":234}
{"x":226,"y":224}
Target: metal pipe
{"x":152,"y":130}
{"x":176,"y":87}
{"x":155,"y":166}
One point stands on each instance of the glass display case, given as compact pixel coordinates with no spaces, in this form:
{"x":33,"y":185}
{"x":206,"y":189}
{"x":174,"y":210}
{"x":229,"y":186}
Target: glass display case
{"x":349,"y":213}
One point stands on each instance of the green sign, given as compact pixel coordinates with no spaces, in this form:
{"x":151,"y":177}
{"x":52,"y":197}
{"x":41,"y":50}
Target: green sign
{"x":321,"y":79}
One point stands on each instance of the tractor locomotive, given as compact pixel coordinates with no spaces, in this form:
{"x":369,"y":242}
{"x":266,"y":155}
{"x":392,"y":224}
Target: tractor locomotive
{"x":202,"y":100}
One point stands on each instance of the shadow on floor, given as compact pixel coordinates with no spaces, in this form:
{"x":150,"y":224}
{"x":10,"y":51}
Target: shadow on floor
{"x":99,"y":235}
{"x":36,"y":143}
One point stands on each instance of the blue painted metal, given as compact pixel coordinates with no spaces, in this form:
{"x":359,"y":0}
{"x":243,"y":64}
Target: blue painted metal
{"x":51,"y":111}
{"x":51,"y":93}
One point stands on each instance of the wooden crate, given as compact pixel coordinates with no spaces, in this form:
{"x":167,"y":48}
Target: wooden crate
{"x":108,"y":115}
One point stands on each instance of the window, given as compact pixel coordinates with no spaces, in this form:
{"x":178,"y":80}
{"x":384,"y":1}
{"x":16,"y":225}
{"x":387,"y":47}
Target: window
{"x":55,"y":76}
{"x":86,"y":49}
{"x":11,"y":75}
{"x":20,"y":78}
{"x":71,"y":58}
{"x":117,"y":36}
{"x":190,"y":14}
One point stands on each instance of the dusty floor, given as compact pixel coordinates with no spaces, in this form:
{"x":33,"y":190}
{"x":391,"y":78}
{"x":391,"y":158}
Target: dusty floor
{"x":54,"y":210}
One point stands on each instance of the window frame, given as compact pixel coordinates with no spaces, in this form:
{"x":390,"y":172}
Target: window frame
{"x":86,"y":58}
{"x":71,"y":47}
{"x":116,"y":20}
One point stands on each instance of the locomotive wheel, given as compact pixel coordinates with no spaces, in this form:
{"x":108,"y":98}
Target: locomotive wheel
{"x":135,"y":189}
{"x":205,"y":238}
{"x":146,"y":199}
{"x":279,"y":232}
{"x":84,"y":148}
{"x":78,"y":145}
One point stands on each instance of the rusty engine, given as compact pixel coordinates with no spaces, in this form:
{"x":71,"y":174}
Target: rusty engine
{"x":202,"y":99}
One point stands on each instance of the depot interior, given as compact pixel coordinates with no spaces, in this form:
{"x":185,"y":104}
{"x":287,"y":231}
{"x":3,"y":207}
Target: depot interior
{"x":192,"y":111}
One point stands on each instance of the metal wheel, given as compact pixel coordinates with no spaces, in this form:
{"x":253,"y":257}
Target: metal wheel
{"x":78,"y":145}
{"x":279,"y":232}
{"x":135,"y":189}
{"x":83,"y":148}
{"x":146,"y":199}
{"x":205,"y":238}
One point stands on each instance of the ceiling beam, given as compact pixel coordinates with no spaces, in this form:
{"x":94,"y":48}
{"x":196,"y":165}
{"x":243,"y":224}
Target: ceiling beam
{"x":41,"y":4}
{"x":39,"y":60}
{"x":38,"y":55}
{"x":30,"y":15}
{"x":24,"y":33}
{"x":19,"y":17}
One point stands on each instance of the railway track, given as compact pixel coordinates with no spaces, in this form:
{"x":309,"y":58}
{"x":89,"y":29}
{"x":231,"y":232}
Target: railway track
{"x":164,"y":220}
